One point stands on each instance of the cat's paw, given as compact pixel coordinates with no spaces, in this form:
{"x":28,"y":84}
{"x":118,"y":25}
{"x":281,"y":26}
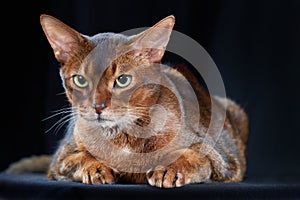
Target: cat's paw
{"x":97,"y":173}
{"x":166,"y":177}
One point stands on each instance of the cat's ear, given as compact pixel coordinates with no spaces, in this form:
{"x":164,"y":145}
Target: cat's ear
{"x":63,"y":39}
{"x":154,"y":40}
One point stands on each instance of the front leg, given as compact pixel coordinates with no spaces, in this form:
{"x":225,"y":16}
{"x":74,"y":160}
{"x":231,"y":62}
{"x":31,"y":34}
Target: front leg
{"x":72,"y":163}
{"x":200,"y":163}
{"x":95,"y":172}
{"x":188,"y":168}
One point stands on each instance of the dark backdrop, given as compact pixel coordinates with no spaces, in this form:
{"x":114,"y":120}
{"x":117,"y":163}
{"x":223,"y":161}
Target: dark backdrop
{"x":255,"y":44}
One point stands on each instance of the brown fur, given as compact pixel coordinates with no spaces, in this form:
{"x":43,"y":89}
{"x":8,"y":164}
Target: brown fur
{"x":32,"y":164}
{"x":79,"y":158}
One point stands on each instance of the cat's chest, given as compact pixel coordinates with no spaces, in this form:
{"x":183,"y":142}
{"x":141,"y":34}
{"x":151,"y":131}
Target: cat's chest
{"x":103,"y":140}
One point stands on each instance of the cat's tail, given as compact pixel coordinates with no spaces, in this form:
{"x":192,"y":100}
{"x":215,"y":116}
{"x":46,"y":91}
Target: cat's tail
{"x":32,"y":164}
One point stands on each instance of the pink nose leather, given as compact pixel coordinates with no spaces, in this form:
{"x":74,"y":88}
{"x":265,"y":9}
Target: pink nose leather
{"x":99,"y":107}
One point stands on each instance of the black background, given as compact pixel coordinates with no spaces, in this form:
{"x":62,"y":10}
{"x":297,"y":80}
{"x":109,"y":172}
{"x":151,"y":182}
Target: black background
{"x":255,"y":44}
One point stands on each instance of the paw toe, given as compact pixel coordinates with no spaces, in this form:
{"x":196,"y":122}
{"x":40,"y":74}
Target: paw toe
{"x":165,"y":177}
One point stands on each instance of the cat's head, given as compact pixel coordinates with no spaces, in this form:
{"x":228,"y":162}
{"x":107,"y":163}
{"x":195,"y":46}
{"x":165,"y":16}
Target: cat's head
{"x":100,"y":73}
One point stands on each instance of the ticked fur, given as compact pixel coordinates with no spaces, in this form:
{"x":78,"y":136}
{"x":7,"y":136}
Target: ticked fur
{"x":127,"y":118}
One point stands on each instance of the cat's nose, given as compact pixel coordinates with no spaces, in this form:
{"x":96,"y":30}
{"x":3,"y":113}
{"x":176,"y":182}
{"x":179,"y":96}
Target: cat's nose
{"x":99,"y":107}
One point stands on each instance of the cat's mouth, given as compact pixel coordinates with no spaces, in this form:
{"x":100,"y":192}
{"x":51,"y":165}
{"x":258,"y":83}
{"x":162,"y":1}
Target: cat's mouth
{"x":101,"y":119}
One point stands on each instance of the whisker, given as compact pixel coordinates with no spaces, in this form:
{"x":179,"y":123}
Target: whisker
{"x":59,"y":126}
{"x":59,"y":121}
{"x":66,"y":108}
{"x":61,"y":93}
{"x":138,"y":114}
{"x":62,"y":109}
{"x":59,"y":113}
{"x":139,"y":108}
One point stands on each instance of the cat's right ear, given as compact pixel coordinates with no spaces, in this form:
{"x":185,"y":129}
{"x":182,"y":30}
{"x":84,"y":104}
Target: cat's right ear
{"x":153,"y":41}
{"x":63,"y":39}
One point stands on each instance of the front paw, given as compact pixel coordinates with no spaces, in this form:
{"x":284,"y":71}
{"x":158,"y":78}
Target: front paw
{"x":94,"y":172}
{"x":166,"y":177}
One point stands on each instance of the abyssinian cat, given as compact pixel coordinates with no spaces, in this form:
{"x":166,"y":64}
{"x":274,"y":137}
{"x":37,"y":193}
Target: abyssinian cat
{"x":132,"y":119}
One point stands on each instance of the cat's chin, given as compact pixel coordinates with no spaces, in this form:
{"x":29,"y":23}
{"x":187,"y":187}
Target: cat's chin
{"x":106,"y":123}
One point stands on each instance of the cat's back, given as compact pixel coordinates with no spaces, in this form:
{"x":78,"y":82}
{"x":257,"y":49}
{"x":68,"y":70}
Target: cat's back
{"x":236,"y":116}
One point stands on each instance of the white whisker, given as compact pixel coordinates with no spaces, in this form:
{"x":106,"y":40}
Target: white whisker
{"x":62,"y":109}
{"x":72,"y":114}
{"x":59,"y":113}
{"x":61,"y":93}
{"x":59,"y":126}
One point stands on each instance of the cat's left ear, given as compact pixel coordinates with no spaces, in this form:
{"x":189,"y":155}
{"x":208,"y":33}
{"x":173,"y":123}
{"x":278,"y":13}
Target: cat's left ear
{"x":154,"y":40}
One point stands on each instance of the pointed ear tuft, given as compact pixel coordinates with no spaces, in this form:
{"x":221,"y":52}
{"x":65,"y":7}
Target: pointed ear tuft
{"x":63,"y":39}
{"x":155,"y":39}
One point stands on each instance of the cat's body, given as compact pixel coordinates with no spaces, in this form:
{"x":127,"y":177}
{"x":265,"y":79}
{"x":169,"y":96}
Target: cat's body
{"x":114,"y":122}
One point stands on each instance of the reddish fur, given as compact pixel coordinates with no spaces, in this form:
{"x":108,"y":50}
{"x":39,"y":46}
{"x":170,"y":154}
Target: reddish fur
{"x":75,"y":161}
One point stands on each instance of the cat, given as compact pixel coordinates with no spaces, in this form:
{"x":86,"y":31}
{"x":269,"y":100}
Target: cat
{"x":128,"y":110}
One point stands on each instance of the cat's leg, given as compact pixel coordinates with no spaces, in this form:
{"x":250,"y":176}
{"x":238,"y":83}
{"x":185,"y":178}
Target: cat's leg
{"x":95,"y":172}
{"x":199,"y":163}
{"x":186,"y":169}
{"x":72,"y":163}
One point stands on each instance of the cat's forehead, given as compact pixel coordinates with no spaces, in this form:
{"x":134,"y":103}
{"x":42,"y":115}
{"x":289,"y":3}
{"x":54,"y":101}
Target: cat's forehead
{"x":110,"y":39}
{"x":108,"y":48}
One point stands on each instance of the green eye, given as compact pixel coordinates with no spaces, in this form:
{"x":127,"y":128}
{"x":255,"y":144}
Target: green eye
{"x":80,"y":81}
{"x":123,"y":80}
